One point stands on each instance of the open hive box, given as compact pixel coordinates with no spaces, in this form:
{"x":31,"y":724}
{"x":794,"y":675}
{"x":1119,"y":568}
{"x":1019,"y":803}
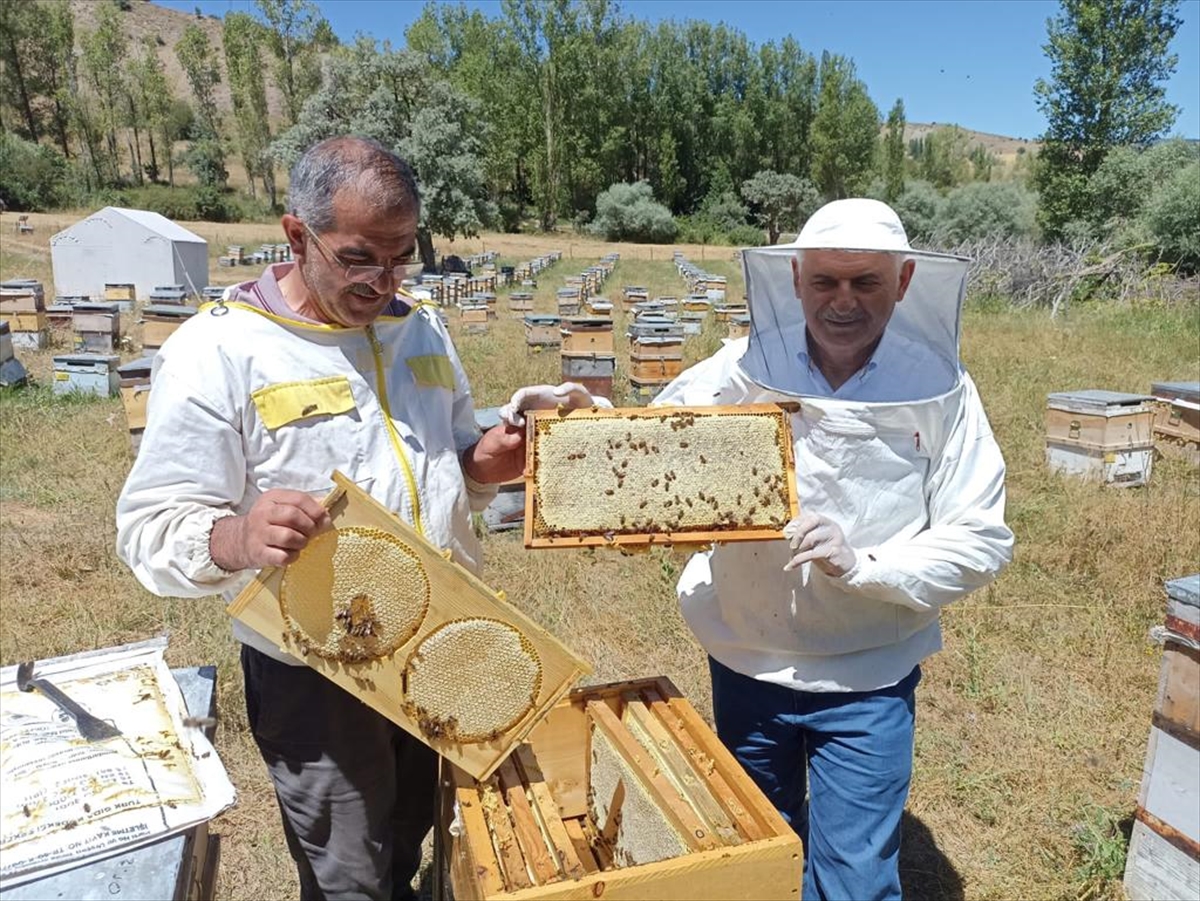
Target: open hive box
{"x":665,"y":475}
{"x":622,"y":791}
{"x":374,"y":607}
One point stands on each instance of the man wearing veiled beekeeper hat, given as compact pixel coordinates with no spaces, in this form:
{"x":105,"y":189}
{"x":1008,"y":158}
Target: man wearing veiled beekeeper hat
{"x":815,"y":642}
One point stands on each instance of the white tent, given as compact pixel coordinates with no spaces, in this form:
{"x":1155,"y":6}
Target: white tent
{"x":119,"y":246}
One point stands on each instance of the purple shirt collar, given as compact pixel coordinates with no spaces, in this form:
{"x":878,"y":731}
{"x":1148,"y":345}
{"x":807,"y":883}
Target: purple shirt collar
{"x":267,"y":296}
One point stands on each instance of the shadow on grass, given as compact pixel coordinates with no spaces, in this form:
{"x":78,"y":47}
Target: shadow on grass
{"x":925,"y":872}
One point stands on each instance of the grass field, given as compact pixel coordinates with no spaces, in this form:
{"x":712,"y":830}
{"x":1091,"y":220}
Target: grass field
{"x":1032,"y":722}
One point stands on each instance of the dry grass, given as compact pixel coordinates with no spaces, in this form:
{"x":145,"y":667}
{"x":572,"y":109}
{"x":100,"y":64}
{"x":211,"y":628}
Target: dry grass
{"x":1032,"y":721}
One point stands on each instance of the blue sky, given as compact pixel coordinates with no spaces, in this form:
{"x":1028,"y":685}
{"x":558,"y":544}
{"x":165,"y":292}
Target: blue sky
{"x":969,"y":62}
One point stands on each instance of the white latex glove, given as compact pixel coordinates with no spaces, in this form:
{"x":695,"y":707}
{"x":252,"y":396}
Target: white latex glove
{"x":819,"y":539}
{"x":571,"y":395}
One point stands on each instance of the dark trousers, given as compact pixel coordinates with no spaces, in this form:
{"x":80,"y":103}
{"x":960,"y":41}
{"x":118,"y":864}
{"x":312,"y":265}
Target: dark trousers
{"x":356,"y":791}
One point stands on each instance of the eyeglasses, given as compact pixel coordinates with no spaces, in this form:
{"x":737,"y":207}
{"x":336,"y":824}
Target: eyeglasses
{"x":364,"y":275}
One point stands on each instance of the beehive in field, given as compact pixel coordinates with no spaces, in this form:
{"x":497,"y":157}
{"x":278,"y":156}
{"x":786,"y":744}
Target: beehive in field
{"x":621,"y":792}
{"x":1163,"y":863}
{"x":665,"y":475}
{"x":374,"y":607}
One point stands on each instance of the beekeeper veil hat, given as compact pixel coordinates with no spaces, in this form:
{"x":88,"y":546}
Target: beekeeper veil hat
{"x":929,"y":314}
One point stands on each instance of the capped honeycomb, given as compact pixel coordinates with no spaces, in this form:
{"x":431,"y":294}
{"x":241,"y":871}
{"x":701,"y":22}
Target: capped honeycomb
{"x":354,"y":594}
{"x":672,"y":472}
{"x":471,"y":680}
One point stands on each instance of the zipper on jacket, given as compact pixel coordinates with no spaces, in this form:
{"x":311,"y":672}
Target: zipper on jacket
{"x":377,"y":353}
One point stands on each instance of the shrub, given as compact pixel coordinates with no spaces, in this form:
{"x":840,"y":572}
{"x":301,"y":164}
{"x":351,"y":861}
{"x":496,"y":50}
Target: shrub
{"x":985,"y":210}
{"x":628,"y":212}
{"x":1172,"y":218}
{"x":919,"y":208}
{"x":32,"y":175}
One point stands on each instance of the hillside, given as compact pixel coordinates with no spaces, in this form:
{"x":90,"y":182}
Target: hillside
{"x":144,"y":19}
{"x":1003,"y":147}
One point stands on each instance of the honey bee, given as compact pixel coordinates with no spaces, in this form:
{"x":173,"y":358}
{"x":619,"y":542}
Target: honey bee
{"x":654,"y":483}
{"x":609,"y":492}
{"x":683,"y":444}
{"x":642,"y":505}
{"x":702,"y":460}
{"x":753,"y":470}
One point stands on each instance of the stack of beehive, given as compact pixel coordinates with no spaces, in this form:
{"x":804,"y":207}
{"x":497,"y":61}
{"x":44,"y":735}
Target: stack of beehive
{"x":23,"y":307}
{"x":134,"y":381}
{"x":97,"y":327}
{"x":1104,"y":435}
{"x":632,"y":295}
{"x":1177,"y":419}
{"x":12,"y":373}
{"x":655,"y":354}
{"x":1163,"y":862}
{"x":123,"y":294}
{"x":587,"y":353}
{"x":159,"y":322}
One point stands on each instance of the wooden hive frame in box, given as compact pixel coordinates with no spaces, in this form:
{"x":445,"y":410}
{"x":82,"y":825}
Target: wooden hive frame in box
{"x":696,"y":475}
{"x":455,"y":597}
{"x":621,"y":792}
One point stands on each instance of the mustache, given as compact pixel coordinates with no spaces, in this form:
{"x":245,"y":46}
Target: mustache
{"x":365,"y":291}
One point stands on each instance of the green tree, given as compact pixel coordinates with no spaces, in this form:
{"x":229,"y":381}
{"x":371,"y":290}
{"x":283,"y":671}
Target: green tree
{"x":1110,"y":62}
{"x":205,"y":157}
{"x":944,"y":162}
{"x":148,"y":78}
{"x":893,"y":153}
{"x":398,"y":99}
{"x":242,"y":37}
{"x":844,"y":131}
{"x":296,"y":34}
{"x":780,"y":201}
{"x":104,"y":52}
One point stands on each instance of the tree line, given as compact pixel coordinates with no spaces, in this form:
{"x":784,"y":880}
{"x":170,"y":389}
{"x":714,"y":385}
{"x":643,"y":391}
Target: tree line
{"x":569,"y":112}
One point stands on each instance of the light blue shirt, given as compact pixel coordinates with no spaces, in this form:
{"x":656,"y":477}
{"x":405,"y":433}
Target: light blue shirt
{"x":899,"y":370}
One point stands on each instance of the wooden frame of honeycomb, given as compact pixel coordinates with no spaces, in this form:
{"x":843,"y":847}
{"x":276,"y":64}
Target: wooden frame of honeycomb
{"x":457,"y":731}
{"x":621,"y":792}
{"x":662,"y":475}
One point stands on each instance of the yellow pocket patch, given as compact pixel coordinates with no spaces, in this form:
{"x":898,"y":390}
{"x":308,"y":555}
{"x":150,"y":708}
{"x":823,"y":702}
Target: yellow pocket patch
{"x":432,"y":371}
{"x":289,"y":401}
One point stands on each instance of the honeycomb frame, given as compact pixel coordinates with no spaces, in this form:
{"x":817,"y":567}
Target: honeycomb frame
{"x":455,"y":593}
{"x":660,"y":475}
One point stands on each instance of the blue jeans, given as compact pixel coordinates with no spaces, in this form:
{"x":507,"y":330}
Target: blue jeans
{"x":854,"y":753}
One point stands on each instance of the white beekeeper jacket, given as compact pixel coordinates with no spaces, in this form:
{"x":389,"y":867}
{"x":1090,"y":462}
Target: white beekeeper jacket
{"x":916,"y":485}
{"x":245,"y":401}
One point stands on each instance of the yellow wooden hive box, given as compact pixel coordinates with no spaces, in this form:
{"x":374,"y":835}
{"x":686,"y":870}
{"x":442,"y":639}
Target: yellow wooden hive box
{"x":374,"y":607}
{"x":621,"y":792}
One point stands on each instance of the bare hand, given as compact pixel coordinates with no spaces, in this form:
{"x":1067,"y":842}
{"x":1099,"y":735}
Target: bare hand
{"x":273,"y":533}
{"x":819,"y":539}
{"x":498,"y":456}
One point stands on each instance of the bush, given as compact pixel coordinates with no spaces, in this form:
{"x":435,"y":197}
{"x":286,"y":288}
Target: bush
{"x":184,"y":203}
{"x":919,"y":208}
{"x":986,"y":210}
{"x":1172,"y":218}
{"x":627,"y":212}
{"x":32,"y":176}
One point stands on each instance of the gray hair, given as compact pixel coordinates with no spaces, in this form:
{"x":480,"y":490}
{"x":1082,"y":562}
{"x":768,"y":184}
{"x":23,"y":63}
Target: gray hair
{"x":380,"y":177}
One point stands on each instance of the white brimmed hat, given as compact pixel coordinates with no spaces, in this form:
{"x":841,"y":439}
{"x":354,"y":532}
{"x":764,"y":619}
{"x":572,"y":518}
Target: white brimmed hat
{"x":857,"y":223}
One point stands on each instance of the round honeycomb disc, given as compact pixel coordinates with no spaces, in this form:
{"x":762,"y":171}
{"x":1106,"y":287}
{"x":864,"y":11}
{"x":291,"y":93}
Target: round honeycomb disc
{"x":354,"y":594}
{"x":471,"y":679}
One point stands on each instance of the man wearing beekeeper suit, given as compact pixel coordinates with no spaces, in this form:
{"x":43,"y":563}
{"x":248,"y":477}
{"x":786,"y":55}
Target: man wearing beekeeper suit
{"x":318,"y":365}
{"x":815,"y":642}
